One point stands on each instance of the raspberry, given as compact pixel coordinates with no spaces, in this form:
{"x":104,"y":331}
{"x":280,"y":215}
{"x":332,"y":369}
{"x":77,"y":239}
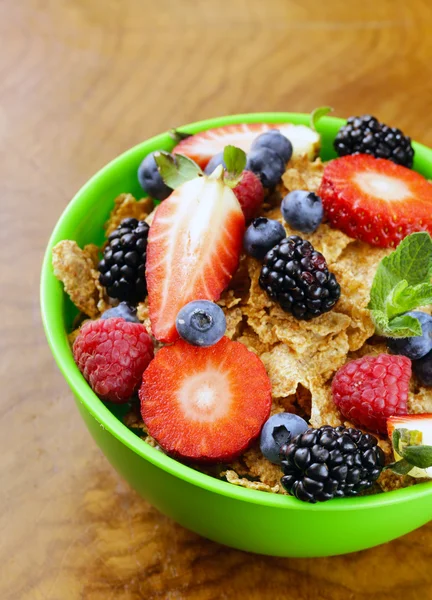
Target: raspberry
{"x":112,"y":355}
{"x":371,"y":389}
{"x":250,"y":194}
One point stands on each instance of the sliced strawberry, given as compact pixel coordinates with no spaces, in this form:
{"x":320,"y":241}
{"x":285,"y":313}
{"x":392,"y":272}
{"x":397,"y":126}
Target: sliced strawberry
{"x":375,"y":200}
{"x":193,"y":249}
{"x":202,"y":146}
{"x":415,"y":423}
{"x":205,"y":404}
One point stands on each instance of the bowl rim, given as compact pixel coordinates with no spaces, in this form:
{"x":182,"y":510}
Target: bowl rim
{"x":52,"y":318}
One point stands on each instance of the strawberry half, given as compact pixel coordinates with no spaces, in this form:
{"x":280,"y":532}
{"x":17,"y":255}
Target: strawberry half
{"x":375,"y":200}
{"x":193,"y":249}
{"x":205,"y":404}
{"x":202,"y":146}
{"x":421,"y":425}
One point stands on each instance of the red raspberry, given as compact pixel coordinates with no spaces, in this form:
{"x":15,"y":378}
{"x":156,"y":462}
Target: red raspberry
{"x":371,"y":389}
{"x":113,"y":354}
{"x":250,"y":193}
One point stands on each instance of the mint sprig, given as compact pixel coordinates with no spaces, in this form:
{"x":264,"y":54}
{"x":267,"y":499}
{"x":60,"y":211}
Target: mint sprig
{"x":235,"y":162}
{"x":402,"y":283}
{"x":176,"y":169}
{"x":414,"y":454}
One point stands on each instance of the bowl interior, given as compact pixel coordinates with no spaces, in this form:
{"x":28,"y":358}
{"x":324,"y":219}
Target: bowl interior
{"x":83,"y":221}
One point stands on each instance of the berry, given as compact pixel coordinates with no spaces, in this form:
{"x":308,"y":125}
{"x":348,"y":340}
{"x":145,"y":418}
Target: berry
{"x":250,"y":193}
{"x":261,"y":235}
{"x":122,"y":311}
{"x":279,"y":430}
{"x":268,"y":165}
{"x":274,"y":140}
{"x":122,"y":269}
{"x":193,"y":250}
{"x":417,"y":346}
{"x":371,"y":389}
{"x":201,"y":323}
{"x":374,"y":200}
{"x":112,"y":354}
{"x":150,"y":179}
{"x":366,"y":135}
{"x":205,"y":404}
{"x":214,"y":162}
{"x":296,"y":275}
{"x":420,"y":427}
{"x":202,"y":146}
{"x":325,"y":463}
{"x":302,"y":210}
{"x":423,"y":370}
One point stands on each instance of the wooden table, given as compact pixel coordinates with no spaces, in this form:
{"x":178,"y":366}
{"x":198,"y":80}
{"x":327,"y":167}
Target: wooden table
{"x":80,"y":82}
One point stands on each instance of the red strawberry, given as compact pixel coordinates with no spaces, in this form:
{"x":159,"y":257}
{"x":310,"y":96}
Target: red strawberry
{"x":371,"y":389}
{"x":250,"y":193}
{"x":205,"y":404}
{"x":193,"y":249}
{"x":375,"y":200}
{"x":202,"y":146}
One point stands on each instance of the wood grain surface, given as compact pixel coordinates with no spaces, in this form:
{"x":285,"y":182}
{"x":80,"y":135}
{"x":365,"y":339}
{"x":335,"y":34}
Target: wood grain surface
{"x":80,"y":82}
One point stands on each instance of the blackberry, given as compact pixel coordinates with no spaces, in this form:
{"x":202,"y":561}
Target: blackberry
{"x":296,"y":275}
{"x":366,"y":135}
{"x":122,"y":269}
{"x":325,"y":463}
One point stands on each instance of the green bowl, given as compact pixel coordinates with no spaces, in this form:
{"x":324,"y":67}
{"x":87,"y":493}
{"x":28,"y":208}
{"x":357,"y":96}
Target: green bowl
{"x":241,"y":518}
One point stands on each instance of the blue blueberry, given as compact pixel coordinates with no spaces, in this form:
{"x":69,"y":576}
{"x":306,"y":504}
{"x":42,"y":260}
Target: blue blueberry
{"x":262,"y":235}
{"x":215,"y":162}
{"x":302,"y":210}
{"x":267,"y":165}
{"x":150,"y":179}
{"x":280,"y":429}
{"x":414,"y":347}
{"x":201,"y":323}
{"x":274,"y":140}
{"x":124,"y":311}
{"x":423,"y":370}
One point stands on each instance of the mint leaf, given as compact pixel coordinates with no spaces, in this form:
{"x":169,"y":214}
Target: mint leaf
{"x":178,"y":136}
{"x":317,"y":114}
{"x":235,"y":162}
{"x":400,"y":467}
{"x":176,"y":170}
{"x":402,"y":283}
{"x":418,"y":456}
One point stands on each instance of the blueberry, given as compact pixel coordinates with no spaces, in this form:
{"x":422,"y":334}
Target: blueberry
{"x":267,"y":165}
{"x":423,"y":370}
{"x":215,"y":162}
{"x":262,"y":235}
{"x":201,"y":323}
{"x":150,"y":179}
{"x":274,"y":140}
{"x":124,"y":311}
{"x":414,"y":347}
{"x":280,"y":429}
{"x":302,"y":210}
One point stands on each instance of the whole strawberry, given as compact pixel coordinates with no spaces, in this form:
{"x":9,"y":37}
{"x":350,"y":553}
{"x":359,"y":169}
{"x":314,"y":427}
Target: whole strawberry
{"x":250,"y":193}
{"x":371,"y":389}
{"x":112,"y":355}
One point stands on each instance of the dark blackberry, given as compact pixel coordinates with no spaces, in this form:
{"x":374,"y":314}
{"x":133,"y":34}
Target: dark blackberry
{"x":296,"y":275}
{"x":325,"y":463}
{"x":122,"y":269}
{"x":366,"y":135}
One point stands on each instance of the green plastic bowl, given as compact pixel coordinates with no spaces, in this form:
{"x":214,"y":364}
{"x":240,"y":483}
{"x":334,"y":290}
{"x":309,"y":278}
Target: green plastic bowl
{"x":241,"y":518}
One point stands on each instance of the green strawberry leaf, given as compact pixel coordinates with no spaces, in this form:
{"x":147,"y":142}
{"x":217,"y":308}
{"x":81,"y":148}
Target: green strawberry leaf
{"x":316,"y":115}
{"x":235,"y":161}
{"x":176,"y":169}
{"x":402,"y":283}
{"x":400,"y":467}
{"x":178,"y":136}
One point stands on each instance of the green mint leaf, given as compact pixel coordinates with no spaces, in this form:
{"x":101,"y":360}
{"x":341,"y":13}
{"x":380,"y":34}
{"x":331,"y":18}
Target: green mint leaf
{"x":400,"y":467}
{"x":396,"y":438}
{"x":235,"y":161}
{"x":402,"y":283}
{"x":317,"y":114}
{"x":178,"y":136}
{"x":176,"y":170}
{"x":418,"y":456}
